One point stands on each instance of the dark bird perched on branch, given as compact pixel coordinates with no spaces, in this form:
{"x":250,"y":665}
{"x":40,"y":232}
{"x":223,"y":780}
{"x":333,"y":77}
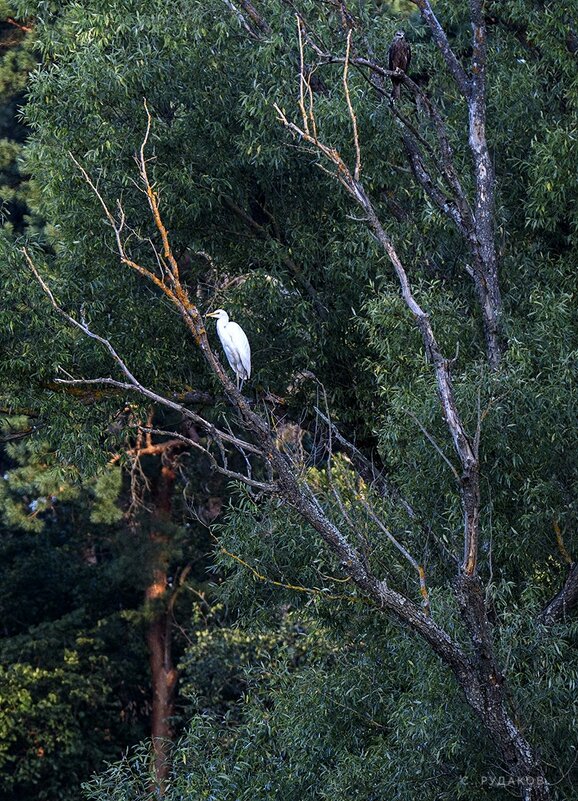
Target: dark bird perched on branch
{"x":399,"y":59}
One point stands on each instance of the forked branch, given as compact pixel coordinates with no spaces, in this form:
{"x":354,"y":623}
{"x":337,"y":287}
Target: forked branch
{"x":132,"y":384}
{"x":441,"y":40}
{"x":463,"y":446}
{"x":473,"y":86}
{"x":287,"y":481}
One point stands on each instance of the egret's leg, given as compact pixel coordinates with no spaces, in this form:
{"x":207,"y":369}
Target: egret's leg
{"x":241,"y":387}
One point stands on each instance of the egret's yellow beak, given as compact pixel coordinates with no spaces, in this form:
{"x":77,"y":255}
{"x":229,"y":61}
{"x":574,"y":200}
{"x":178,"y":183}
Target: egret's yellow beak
{"x":211,"y":314}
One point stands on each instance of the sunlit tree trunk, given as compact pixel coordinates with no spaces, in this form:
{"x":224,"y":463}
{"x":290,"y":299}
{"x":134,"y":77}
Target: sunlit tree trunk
{"x":164,"y":674}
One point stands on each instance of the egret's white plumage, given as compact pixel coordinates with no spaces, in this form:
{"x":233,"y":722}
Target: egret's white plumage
{"x":235,"y":344}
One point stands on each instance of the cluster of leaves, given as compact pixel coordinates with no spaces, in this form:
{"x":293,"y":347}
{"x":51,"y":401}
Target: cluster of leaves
{"x":17,"y":59}
{"x":325,"y":714}
{"x":73,"y":682}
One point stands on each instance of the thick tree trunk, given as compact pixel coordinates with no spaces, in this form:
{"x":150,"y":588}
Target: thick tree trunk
{"x":478,"y":675}
{"x":484,"y":689}
{"x":485,"y":267}
{"x":158,"y":635}
{"x":525,"y":773}
{"x":163,"y":679}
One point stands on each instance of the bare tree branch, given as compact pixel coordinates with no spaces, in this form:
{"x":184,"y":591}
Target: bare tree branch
{"x":437,"y":448}
{"x":477,"y":675}
{"x":441,"y":40}
{"x":173,"y":290}
{"x":357,"y":168}
{"x":243,"y":22}
{"x":473,"y":88}
{"x":455,"y":205}
{"x":20,"y":25}
{"x":564,"y":602}
{"x":368,"y":471}
{"x":219,"y":468}
{"x":469,"y":481}
{"x":485,"y":266}
{"x":211,"y":429}
{"x":404,"y":552}
{"x":133,"y":384}
{"x":81,"y":326}
{"x":255,"y":16}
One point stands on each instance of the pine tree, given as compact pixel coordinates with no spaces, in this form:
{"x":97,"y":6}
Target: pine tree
{"x":17,"y":60}
{"x":72,"y":653}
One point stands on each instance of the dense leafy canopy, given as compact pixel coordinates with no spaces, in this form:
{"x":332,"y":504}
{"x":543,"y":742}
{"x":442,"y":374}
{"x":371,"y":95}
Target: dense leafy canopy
{"x":73,"y":676}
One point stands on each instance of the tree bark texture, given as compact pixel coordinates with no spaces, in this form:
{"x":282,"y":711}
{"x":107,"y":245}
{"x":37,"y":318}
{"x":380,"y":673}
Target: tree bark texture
{"x":158,"y":634}
{"x":562,"y":604}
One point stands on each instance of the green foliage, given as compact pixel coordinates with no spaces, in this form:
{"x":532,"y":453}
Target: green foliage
{"x":107,"y":489}
{"x":37,"y":481}
{"x":74,"y":684}
{"x":73,"y":678}
{"x":325,"y":715}
{"x":75,"y":688}
{"x":17,"y":60}
{"x":57,"y":724}
{"x":223,"y":664}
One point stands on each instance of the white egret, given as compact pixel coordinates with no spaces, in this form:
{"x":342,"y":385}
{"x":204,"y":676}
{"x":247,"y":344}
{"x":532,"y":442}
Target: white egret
{"x":235,"y":344}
